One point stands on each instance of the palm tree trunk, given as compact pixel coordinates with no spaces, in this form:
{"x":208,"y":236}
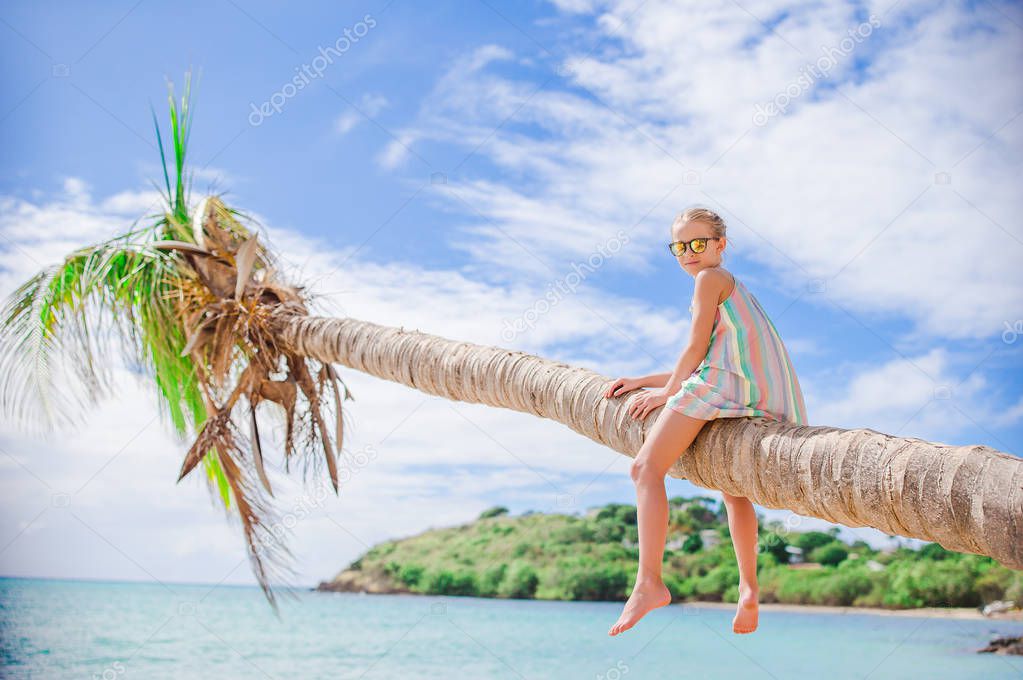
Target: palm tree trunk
{"x":966,"y":498}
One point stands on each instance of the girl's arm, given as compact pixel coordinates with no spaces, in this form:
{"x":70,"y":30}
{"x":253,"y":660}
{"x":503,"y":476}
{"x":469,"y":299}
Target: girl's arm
{"x":705,"y":303}
{"x":654,"y":380}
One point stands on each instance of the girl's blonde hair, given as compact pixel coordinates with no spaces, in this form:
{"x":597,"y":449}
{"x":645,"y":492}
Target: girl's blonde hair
{"x":707,"y":216}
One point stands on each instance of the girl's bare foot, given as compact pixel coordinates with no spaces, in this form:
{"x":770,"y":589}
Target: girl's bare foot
{"x":645,"y":597}
{"x":745,"y":620}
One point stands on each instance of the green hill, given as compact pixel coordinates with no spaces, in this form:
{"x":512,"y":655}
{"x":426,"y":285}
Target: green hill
{"x":594,"y":557}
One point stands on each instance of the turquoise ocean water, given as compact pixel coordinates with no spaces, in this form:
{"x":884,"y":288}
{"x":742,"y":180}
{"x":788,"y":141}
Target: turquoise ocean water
{"x":91,"y":629}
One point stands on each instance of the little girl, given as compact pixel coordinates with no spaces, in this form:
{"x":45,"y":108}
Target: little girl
{"x":734,"y":365}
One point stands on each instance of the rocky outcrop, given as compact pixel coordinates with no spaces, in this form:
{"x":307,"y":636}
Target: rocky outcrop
{"x":359,"y":581}
{"x":1005,"y":645}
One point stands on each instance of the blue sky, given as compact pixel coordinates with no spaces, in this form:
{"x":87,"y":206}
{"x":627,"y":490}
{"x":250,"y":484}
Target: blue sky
{"x":455,"y":161}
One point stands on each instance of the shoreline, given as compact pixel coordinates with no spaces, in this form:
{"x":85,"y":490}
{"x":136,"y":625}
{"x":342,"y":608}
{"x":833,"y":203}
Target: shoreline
{"x":927,"y":612}
{"x":971,"y":613}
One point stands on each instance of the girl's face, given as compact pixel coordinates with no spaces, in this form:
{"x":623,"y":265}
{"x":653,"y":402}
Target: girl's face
{"x":692,"y":262}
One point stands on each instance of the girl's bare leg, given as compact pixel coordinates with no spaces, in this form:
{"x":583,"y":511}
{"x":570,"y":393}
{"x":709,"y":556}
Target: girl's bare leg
{"x":742,"y":524}
{"x":670,"y":436}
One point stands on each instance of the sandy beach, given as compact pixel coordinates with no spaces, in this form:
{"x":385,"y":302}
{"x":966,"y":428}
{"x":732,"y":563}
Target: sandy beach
{"x":931,"y":612}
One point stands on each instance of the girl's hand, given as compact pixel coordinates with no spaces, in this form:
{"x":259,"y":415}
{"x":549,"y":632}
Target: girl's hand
{"x":622,"y":386}
{"x":647,"y":402}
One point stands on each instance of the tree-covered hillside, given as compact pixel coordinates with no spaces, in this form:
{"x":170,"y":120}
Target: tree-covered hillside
{"x":594,"y":557}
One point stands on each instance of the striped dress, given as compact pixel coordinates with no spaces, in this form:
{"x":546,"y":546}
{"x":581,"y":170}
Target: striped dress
{"x":747,"y":371}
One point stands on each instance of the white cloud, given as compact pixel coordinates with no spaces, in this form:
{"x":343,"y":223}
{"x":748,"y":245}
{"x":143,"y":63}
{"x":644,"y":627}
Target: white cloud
{"x":76,"y":191}
{"x":1009,"y":416}
{"x":913,"y":396}
{"x":132,"y":203}
{"x":396,"y":151}
{"x":346,"y":121}
{"x":369,"y":105}
{"x":840,"y":190}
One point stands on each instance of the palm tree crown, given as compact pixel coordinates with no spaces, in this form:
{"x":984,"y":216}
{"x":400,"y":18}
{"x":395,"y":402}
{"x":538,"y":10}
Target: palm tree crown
{"x":188,"y":298}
